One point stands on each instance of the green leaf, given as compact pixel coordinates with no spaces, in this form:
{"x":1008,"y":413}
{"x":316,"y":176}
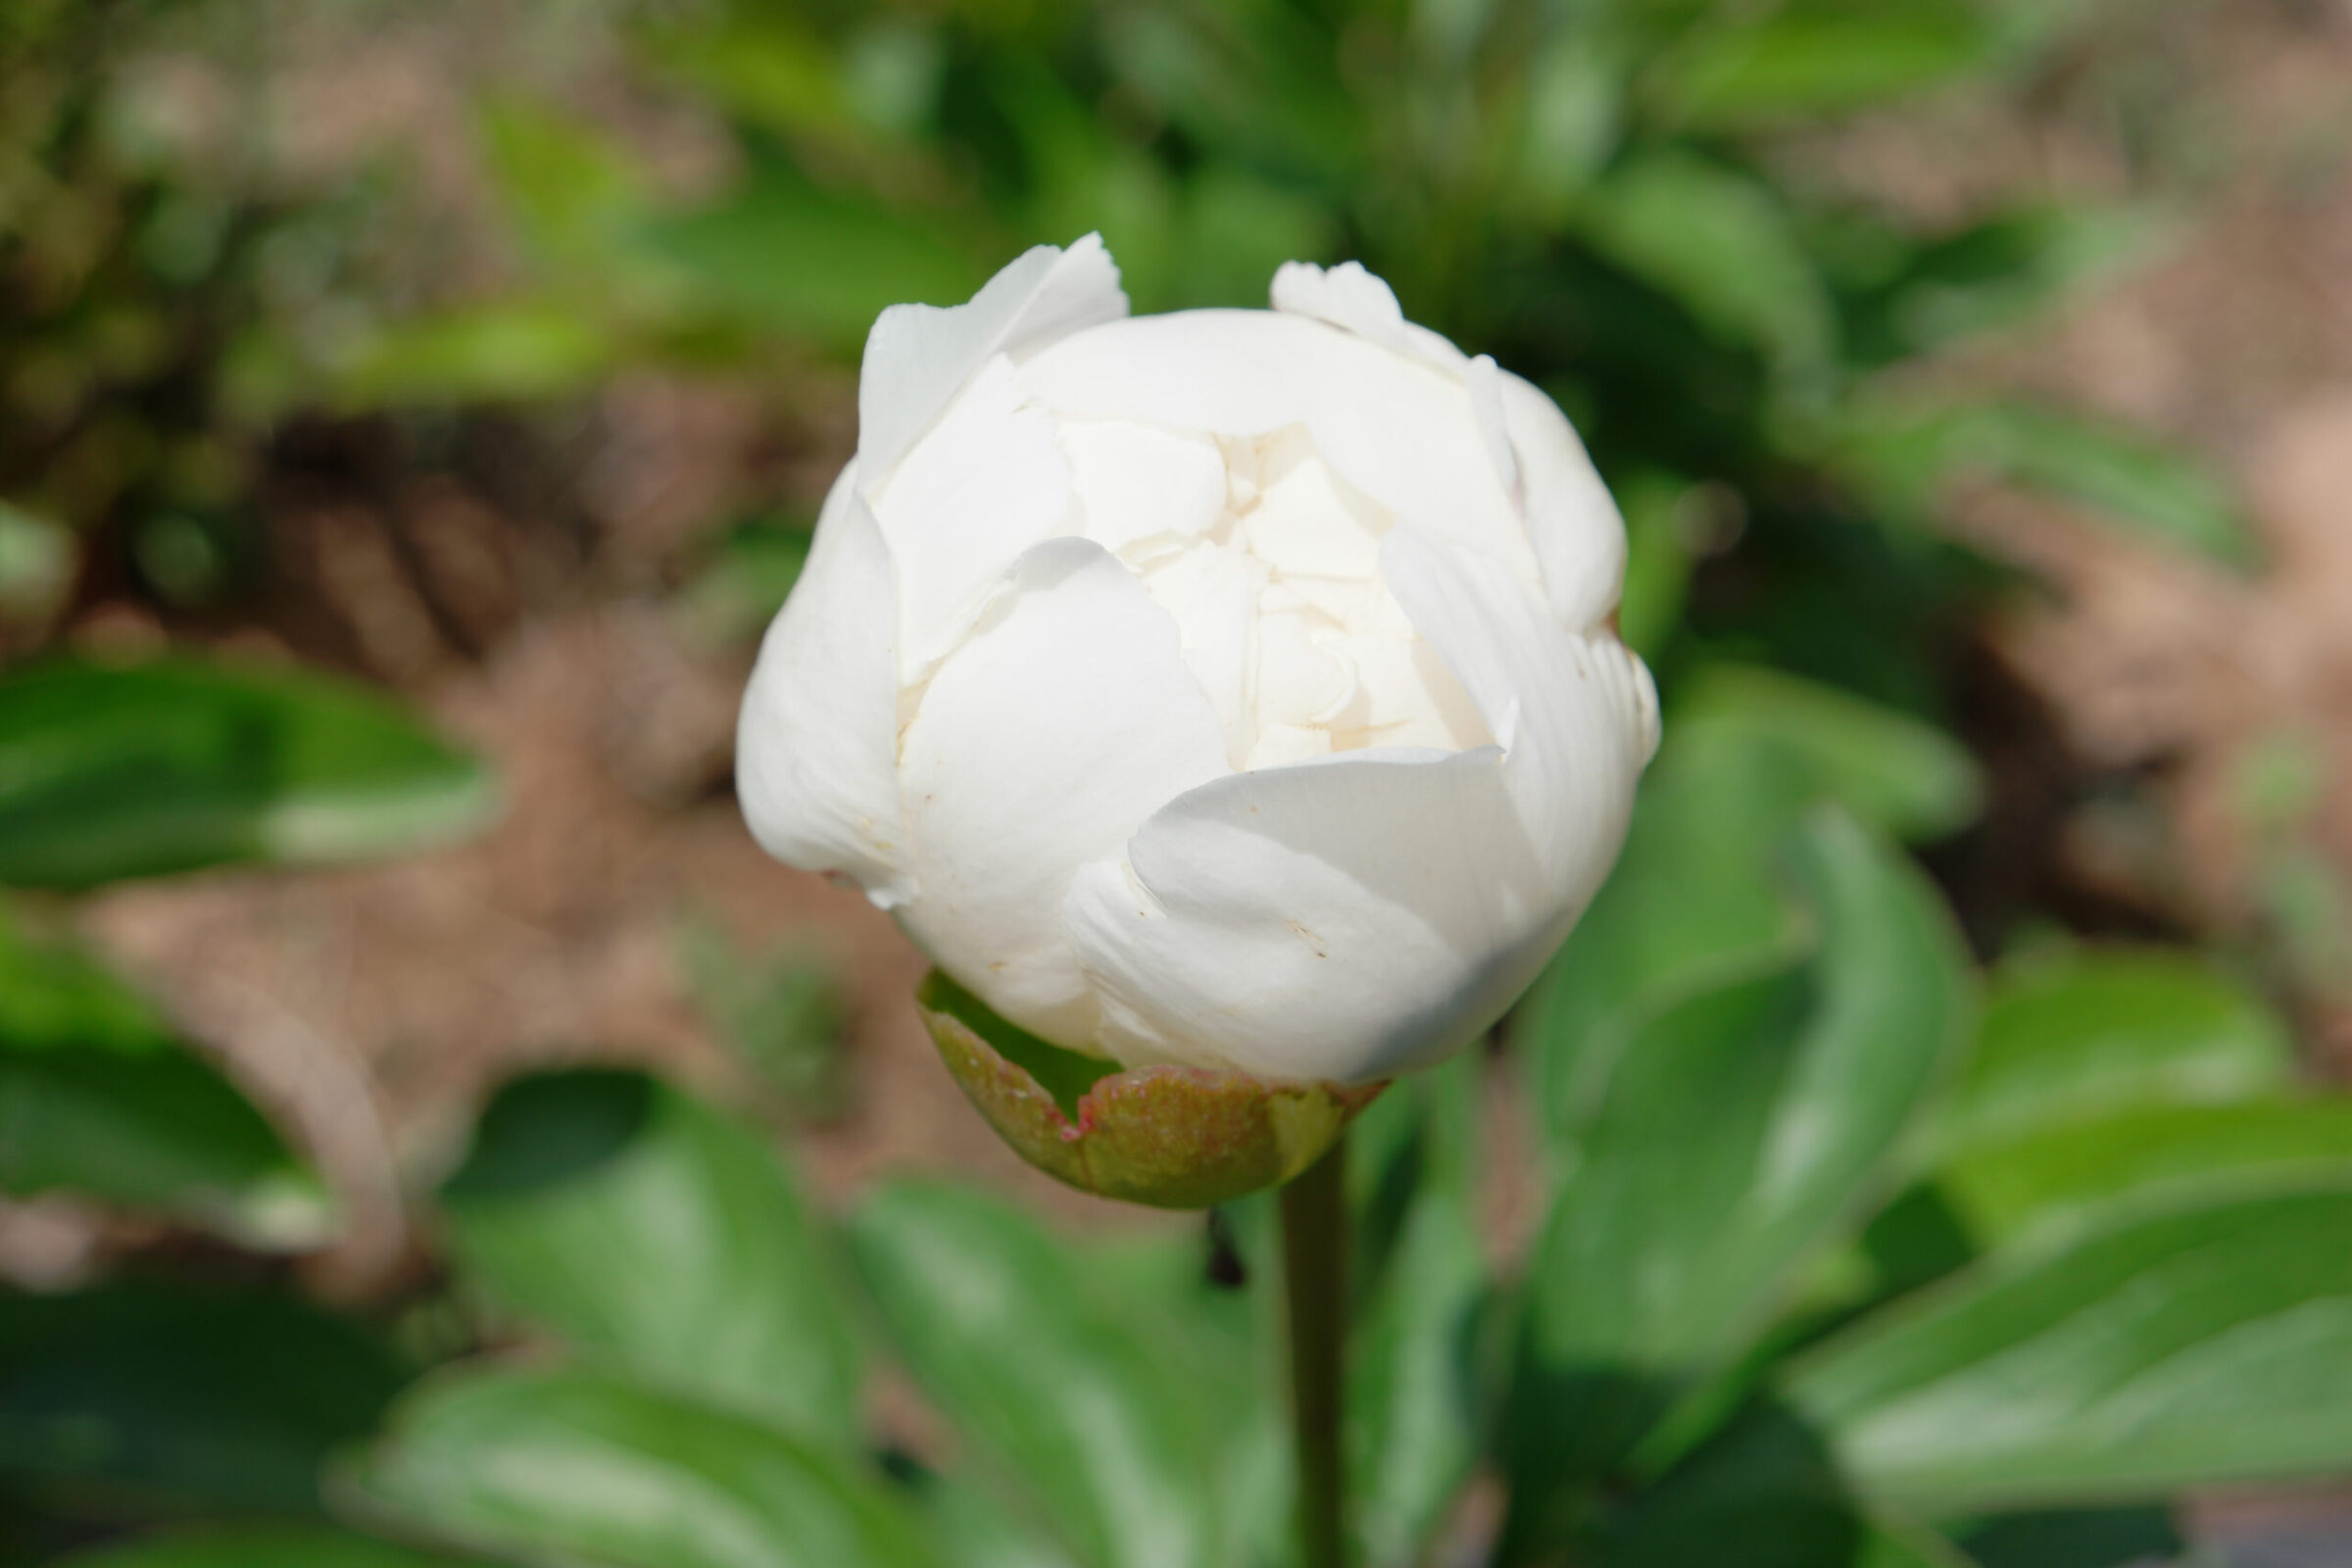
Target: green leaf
{"x":98,"y":1095}
{"x":1909,"y":462}
{"x":259,"y":1546}
{"x":1708,"y":815}
{"x":2003,"y":1189}
{"x":1795,"y":65}
{"x":645,"y":1229}
{"x":1767,"y":1482}
{"x":575,"y":1467}
{"x":570,"y":188}
{"x":2003,"y":269}
{"x":108,"y":772}
{"x":1721,"y":244}
{"x":738,"y":591}
{"x":2083,"y":1034}
{"x":1739,"y":1128}
{"x":1047,"y":1371}
{"x":2075,"y":1538}
{"x":1907,"y":778}
{"x":2189,"y":1346}
{"x":784,"y":255}
{"x":141,"y":1399}
{"x":1413,"y":1400}
{"x":514,"y":350}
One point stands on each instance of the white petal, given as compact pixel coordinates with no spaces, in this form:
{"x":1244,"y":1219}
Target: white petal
{"x":1578,"y":535}
{"x":1212,"y":592}
{"x":985,"y":485}
{"x":1138,"y":483}
{"x":1399,"y":431}
{"x":918,"y":356}
{"x":1357,"y":918}
{"x":1042,"y":743}
{"x":816,"y":747}
{"x":1347,"y":296}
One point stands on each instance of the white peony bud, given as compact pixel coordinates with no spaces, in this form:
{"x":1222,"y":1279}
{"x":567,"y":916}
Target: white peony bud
{"x":1227,"y":688}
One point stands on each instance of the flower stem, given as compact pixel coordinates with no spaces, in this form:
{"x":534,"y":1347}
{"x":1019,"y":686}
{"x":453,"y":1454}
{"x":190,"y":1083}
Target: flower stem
{"x":1314,"y":1268}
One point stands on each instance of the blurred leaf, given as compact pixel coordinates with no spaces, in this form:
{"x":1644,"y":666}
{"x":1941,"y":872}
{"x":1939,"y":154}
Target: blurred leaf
{"x":1256,"y":81}
{"x":2080,"y":1035}
{"x":1722,"y":245}
{"x":146,"y":1401}
{"x":1413,"y":1401}
{"x":1708,"y":815}
{"x":99,"y":1097}
{"x":1999,"y":272}
{"x":515,"y":349}
{"x":574,"y":1467}
{"x":972,"y":1529}
{"x":1910,"y":779}
{"x":760,"y":64}
{"x":1798,"y":64}
{"x":779,"y":1012}
{"x":2078,"y":1537}
{"x":1908,"y":464}
{"x":259,"y":1546}
{"x":108,"y":772}
{"x":1659,"y":557}
{"x":1767,"y":1482}
{"x":570,"y":188}
{"x":1040,"y":1365}
{"x":647,"y":1230}
{"x":2004,"y":1189}
{"x":745,"y":582}
{"x":1739,"y":1127}
{"x":2193,"y":1345}
{"x":37,"y":566}
{"x":785,"y":256}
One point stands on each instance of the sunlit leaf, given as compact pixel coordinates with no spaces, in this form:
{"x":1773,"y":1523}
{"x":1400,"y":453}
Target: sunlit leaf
{"x":111,"y":771}
{"x":1796,"y":64}
{"x":647,"y":1230}
{"x":571,"y":1467}
{"x":2184,"y":1346}
{"x":1737,"y":1129}
{"x":515,"y":350}
{"x":1909,"y":778}
{"x":99,"y":1097}
{"x":1045,"y":1372}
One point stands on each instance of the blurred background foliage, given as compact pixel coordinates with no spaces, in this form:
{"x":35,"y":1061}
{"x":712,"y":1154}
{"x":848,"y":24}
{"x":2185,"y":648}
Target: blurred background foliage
{"x":1863,"y":1207}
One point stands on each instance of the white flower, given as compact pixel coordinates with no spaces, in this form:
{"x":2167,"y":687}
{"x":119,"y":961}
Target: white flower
{"x":1232,"y":688}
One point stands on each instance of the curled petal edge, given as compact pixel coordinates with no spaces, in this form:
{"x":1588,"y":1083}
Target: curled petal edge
{"x":1168,"y":1137}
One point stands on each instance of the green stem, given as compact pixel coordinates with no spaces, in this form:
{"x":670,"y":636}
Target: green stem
{"x":1314,"y":1269}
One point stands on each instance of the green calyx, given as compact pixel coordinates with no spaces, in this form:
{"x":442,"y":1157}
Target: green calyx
{"x":1168,"y":1137}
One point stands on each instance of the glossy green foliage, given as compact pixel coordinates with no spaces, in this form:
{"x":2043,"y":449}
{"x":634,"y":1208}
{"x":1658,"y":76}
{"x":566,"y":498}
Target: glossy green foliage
{"x":577,"y":1467}
{"x":100,"y":1097}
{"x":114,"y":771}
{"x":1046,"y":1370}
{"x":142,"y":1401}
{"x":647,"y":1230}
{"x":1740,"y":1124}
{"x":2205,"y":1341}
{"x":284,"y":1547}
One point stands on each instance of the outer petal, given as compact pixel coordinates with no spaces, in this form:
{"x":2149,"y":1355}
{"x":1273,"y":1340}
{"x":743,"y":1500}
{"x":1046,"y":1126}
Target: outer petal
{"x":984,"y":484}
{"x":1394,"y":426}
{"x":918,"y":356}
{"x":1042,"y":743}
{"x":816,"y":745}
{"x":1355,"y":918}
{"x":1572,"y":522}
{"x":1362,"y":302}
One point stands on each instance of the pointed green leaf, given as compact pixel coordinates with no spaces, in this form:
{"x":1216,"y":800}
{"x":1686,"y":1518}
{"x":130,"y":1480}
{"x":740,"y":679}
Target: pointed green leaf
{"x":145,"y":1400}
{"x":1739,"y":1128}
{"x":1048,"y":1372}
{"x":654,"y":1234}
{"x":2183,"y":1346}
{"x":578,"y":1467}
{"x":1799,"y":64}
{"x":262,"y":1546}
{"x":111,"y":771}
{"x":98,"y":1095}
